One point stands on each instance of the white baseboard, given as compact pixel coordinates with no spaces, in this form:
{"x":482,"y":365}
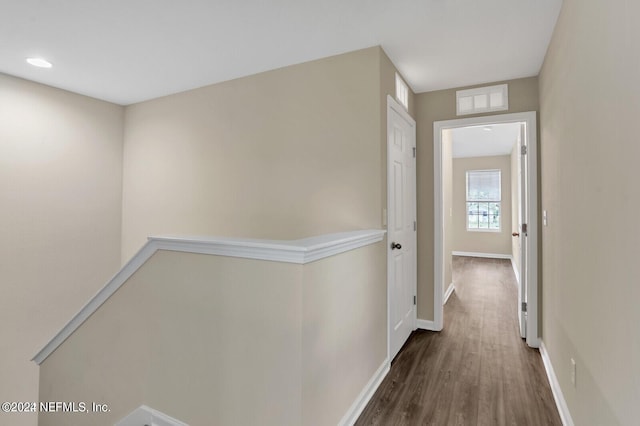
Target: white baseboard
{"x":563,"y":409}
{"x":365,"y":395}
{"x":448,"y":293}
{"x":487,"y":255}
{"x":515,"y":270}
{"x":426,"y":325}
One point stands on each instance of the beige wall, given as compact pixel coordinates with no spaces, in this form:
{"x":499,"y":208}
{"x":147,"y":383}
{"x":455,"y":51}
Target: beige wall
{"x":515,"y":206}
{"x":60,"y":198}
{"x":284,"y":154}
{"x":590,"y":101}
{"x":475,"y":241}
{"x":344,"y":331}
{"x":194,"y":336}
{"x":437,"y":106}
{"x":199,"y":337}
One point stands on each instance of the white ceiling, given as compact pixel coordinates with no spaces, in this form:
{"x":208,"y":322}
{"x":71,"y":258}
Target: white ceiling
{"x":475,"y":141}
{"x":127,"y":51}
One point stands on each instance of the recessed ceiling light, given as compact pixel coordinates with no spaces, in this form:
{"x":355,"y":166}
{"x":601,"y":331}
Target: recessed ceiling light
{"x":487,"y":128}
{"x":39,"y":62}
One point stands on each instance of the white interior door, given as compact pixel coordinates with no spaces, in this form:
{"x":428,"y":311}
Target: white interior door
{"x":401,"y":225}
{"x":523,"y":220}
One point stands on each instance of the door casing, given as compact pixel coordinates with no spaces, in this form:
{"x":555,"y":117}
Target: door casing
{"x":523,"y":215}
{"x":529,"y":118}
{"x":392,"y":104}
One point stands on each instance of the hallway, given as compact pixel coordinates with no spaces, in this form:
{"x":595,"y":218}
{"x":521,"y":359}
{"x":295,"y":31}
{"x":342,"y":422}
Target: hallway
{"x":477,"y":371}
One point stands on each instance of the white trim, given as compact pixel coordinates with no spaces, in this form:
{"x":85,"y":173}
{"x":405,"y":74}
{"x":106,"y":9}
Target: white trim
{"x":483,"y":229}
{"x":515,"y":270}
{"x":426,"y":325}
{"x":402,"y":92}
{"x":529,"y":118}
{"x":295,"y":251}
{"x":352,"y":414}
{"x":438,"y":218}
{"x":558,"y":396}
{"x":533,"y":339}
{"x":487,"y":202}
{"x":148,"y":416}
{"x":111,"y":287}
{"x":476,"y":254}
{"x":447,"y":293}
{"x":502,"y":89}
{"x":397,"y":107}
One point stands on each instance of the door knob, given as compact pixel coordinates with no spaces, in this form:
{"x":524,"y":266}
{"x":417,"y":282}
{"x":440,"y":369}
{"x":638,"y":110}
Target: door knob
{"x":515,"y":234}
{"x":396,"y":246}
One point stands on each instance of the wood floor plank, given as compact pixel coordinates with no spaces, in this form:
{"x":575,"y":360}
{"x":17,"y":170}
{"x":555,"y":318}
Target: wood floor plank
{"x":477,"y":371}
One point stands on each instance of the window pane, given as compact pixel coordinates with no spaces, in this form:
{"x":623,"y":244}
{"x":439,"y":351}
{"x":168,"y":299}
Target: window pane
{"x":494,"y":215}
{"x":472,"y":215}
{"x":496,"y":99}
{"x":480,"y":101}
{"x":483,"y":216}
{"x":465,"y":103}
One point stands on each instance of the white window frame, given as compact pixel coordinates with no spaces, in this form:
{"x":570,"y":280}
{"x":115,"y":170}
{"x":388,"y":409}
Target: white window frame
{"x":498,"y":201}
{"x":402,"y":92}
{"x":478,"y":100}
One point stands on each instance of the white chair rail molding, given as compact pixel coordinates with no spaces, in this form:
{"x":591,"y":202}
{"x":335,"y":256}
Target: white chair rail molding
{"x":215,"y":330}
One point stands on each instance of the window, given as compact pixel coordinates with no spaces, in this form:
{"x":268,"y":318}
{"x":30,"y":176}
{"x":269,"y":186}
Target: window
{"x":482,"y":99}
{"x":483,"y":200}
{"x":402,"y":92}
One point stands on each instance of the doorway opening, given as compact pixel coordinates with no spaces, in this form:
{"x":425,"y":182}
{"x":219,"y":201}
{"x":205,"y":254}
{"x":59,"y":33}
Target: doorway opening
{"x":494,"y":213}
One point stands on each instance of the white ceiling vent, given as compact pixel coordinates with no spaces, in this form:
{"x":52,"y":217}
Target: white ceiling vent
{"x":482,"y":99}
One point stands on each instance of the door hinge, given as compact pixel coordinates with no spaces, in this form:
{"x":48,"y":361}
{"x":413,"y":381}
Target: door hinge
{"x":415,"y":225}
{"x":523,"y":150}
{"x":414,"y":300}
{"x":414,"y":152}
{"x":524,"y":228}
{"x":524,"y":306}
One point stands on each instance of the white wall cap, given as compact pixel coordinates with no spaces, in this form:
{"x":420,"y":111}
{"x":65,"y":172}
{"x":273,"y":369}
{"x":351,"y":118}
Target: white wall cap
{"x":300,"y":251}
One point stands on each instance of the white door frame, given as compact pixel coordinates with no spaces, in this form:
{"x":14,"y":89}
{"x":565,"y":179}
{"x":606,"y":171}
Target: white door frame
{"x":394,"y":105}
{"x":529,"y":118}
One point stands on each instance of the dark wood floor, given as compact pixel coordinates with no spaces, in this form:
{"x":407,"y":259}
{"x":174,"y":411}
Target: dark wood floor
{"x":477,"y":371}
